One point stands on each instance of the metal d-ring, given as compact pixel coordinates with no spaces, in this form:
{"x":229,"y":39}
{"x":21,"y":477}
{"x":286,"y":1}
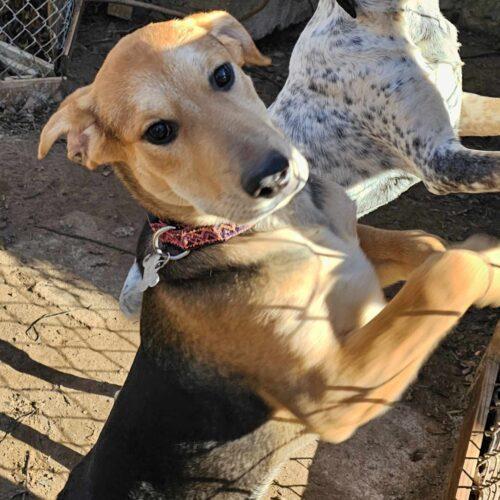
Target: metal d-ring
{"x":158,"y":250}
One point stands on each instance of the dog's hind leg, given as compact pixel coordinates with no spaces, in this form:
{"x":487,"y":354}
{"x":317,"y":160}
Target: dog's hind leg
{"x":360,"y":379}
{"x":480,"y":116}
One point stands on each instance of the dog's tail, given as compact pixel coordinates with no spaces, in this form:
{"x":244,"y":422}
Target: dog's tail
{"x":480,"y":115}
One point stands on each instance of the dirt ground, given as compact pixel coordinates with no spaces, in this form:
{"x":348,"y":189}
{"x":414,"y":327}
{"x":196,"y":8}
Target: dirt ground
{"x":67,"y":240}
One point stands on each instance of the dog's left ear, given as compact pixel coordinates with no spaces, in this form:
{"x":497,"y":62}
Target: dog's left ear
{"x":232,"y":34}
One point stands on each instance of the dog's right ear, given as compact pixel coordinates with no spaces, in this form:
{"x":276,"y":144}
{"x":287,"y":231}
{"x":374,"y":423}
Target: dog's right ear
{"x":349,"y":6}
{"x":87,"y":143}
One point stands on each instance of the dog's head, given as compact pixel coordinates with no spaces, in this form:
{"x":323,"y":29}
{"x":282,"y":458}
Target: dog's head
{"x":173,"y":112}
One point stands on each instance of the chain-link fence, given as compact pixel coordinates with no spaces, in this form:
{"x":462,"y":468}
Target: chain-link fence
{"x":487,"y":479}
{"x":32,"y":36}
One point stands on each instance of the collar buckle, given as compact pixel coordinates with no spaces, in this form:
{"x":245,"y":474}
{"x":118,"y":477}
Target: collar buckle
{"x":157,"y":245}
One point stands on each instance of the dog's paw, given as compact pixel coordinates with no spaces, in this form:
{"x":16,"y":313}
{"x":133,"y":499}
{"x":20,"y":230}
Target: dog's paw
{"x":488,"y":247}
{"x":485,"y":245}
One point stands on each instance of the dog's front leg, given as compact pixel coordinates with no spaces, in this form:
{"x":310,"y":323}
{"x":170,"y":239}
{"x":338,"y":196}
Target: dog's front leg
{"x":396,"y":254}
{"x":361,"y":378}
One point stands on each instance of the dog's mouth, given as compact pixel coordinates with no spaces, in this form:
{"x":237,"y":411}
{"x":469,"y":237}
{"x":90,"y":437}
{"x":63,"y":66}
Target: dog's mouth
{"x":242,"y":209}
{"x":235,"y":205}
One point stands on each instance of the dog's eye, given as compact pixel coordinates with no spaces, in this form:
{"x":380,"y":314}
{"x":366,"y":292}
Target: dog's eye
{"x":161,"y":133}
{"x":223,"y":77}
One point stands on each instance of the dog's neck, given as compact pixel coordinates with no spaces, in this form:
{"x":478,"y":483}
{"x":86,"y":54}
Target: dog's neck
{"x":171,"y":208}
{"x":189,"y":216}
{"x":186,"y":215}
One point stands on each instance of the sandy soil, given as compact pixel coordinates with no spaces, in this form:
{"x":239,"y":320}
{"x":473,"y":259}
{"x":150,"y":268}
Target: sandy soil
{"x":67,"y":239}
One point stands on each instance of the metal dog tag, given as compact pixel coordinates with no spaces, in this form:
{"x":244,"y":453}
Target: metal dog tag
{"x":152,"y":264}
{"x":137,"y":283}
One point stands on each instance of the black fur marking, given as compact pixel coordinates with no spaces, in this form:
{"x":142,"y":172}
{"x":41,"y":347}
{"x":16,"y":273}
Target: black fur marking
{"x":454,"y":170}
{"x":339,"y":132}
{"x":171,"y":412}
{"x":313,"y":87}
{"x":349,"y":6}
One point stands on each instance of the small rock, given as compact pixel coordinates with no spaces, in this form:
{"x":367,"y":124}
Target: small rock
{"x":124,"y":231}
{"x":435,"y":429}
{"x":417,"y":455}
{"x":107,"y":171}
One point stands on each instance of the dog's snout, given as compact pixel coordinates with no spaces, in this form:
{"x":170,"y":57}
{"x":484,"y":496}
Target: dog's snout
{"x":270,"y":177}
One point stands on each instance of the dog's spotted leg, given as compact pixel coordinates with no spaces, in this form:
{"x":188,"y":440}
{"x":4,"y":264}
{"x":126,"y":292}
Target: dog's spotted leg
{"x":456,"y":169}
{"x":374,"y":364}
{"x":396,"y":254}
{"x":480,"y":115}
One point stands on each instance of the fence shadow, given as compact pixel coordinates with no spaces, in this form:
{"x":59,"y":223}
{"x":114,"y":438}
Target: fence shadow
{"x":19,"y":360}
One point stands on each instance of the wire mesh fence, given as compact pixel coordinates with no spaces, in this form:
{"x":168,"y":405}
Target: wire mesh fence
{"x":32,"y":37}
{"x":487,"y":480}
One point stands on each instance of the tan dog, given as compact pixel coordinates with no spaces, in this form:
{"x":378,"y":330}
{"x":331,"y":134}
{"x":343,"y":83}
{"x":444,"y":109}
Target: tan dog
{"x":252,"y":346}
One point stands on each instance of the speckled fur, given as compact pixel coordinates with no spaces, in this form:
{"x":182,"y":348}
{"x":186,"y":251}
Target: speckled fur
{"x":374,"y":102}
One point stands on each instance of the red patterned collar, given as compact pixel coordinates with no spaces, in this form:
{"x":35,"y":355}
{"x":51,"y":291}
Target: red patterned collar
{"x":193,"y":238}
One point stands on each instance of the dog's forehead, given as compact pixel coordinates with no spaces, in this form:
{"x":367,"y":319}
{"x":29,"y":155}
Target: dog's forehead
{"x":154,"y":49}
{"x":177,"y":72}
{"x":152,"y":71}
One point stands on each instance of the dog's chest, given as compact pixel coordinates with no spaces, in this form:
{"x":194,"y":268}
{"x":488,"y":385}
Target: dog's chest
{"x":309,"y":289}
{"x":332,"y":289}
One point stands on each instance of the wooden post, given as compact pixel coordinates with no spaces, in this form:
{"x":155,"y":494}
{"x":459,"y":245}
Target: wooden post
{"x":68,"y":44}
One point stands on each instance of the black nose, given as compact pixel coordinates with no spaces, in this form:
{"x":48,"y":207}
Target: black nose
{"x":269,"y":178}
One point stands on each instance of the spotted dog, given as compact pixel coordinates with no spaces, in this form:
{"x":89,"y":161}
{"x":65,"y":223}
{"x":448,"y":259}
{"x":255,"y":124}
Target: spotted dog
{"x":263,"y":321}
{"x":374,"y":101}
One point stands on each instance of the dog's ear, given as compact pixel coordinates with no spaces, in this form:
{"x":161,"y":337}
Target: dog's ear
{"x":232,"y":34}
{"x":87,"y":143}
{"x":349,"y":6}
